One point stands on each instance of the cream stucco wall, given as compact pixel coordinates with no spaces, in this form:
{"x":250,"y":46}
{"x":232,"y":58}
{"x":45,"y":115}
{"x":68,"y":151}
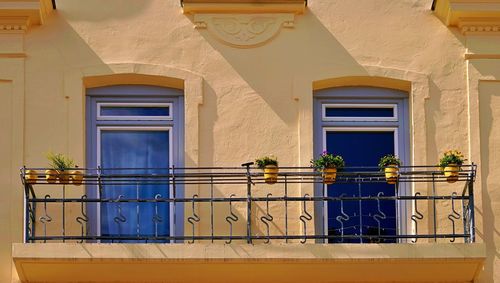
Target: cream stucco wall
{"x":242,"y":103}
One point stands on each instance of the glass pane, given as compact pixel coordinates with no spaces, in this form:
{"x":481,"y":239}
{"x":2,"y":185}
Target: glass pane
{"x":353,"y":217}
{"x":135,"y":111}
{"x":358,"y":112}
{"x":146,"y":152}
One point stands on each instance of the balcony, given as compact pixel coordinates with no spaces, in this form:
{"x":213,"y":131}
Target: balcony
{"x":208,"y":217}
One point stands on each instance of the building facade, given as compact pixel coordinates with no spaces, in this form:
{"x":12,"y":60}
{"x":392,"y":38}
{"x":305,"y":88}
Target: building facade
{"x":161,"y":103}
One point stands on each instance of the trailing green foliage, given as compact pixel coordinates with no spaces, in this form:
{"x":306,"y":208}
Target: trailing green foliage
{"x":59,"y":161}
{"x":388,"y":160}
{"x":266,"y":160}
{"x":328,"y":160}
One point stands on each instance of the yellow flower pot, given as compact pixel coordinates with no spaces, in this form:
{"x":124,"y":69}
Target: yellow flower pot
{"x":271,"y":174}
{"x":76,"y":177}
{"x":329,"y":175}
{"x":64,"y":176}
{"x":451,"y":172}
{"x":391,"y":174}
{"x":51,"y":176}
{"x":31,"y":176}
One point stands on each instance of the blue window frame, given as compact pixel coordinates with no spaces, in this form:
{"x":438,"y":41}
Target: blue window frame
{"x":362,"y":124}
{"x":139,"y":128}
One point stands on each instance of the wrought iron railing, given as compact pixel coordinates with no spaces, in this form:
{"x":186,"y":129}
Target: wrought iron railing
{"x":229,"y":204}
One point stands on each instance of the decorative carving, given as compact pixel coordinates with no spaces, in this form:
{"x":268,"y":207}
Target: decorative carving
{"x":244,"y":30}
{"x":473,"y":26}
{"x":14,"y":24}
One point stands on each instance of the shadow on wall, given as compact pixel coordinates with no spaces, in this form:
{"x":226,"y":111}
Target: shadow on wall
{"x":73,"y":10}
{"x":307,"y":50}
{"x":489,"y":103}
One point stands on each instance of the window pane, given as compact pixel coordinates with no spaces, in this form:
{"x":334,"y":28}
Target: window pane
{"x":148,"y":151}
{"x":135,"y":111}
{"x":358,"y":112}
{"x":351,"y":218}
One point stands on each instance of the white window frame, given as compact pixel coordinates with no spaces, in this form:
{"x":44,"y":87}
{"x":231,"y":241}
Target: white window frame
{"x":394,"y":108}
{"x":132,"y":105}
{"x":170,"y":153}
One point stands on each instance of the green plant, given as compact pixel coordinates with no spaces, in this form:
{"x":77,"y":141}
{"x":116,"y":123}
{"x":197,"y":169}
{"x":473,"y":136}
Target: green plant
{"x":451,"y":157}
{"x":388,"y":160}
{"x":59,"y":161}
{"x":266,"y":160}
{"x":328,"y":160}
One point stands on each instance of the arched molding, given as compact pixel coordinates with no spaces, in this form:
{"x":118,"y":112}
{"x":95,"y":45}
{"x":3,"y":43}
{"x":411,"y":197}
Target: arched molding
{"x":77,"y":80}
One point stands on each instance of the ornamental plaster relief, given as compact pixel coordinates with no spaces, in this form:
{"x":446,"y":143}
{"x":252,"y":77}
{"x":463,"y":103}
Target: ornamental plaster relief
{"x":244,"y":30}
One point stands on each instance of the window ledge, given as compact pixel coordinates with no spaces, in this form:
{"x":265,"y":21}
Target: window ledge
{"x":248,"y":263}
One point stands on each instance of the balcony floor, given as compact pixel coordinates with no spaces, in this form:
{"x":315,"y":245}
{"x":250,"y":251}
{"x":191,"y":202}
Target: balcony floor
{"x":68,"y":262}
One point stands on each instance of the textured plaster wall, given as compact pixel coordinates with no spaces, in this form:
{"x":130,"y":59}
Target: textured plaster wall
{"x":240,"y":103}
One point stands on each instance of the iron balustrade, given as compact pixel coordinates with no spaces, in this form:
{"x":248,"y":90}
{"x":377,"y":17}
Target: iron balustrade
{"x":230,"y":196}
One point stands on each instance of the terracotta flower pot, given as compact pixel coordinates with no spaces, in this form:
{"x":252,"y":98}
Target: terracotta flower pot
{"x":51,"y":176}
{"x":64,"y":176}
{"x":31,"y":176}
{"x":76,"y":177}
{"x":391,"y":174}
{"x":451,"y":172}
{"x":271,"y":174}
{"x":329,"y":175}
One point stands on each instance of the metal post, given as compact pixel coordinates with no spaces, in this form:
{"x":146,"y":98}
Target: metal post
{"x":472,"y":229}
{"x":434,"y":206}
{"x":249,"y":201}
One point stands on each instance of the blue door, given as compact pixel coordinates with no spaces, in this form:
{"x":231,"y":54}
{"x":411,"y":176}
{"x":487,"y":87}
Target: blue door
{"x":135,"y":130}
{"x":352,"y":218}
{"x":141,"y":151}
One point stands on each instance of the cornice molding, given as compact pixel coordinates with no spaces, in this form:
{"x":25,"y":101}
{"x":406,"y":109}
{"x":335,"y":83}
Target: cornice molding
{"x":476,"y":26}
{"x":470,"y":16}
{"x":243,"y":6}
{"x":14,"y":24}
{"x":19,"y":16}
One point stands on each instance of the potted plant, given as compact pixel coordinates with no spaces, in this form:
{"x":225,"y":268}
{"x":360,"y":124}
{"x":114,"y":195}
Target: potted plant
{"x":61,"y":166}
{"x":450,"y":164}
{"x":270,"y":166}
{"x":390,"y":164}
{"x":328,"y":164}
{"x":31,"y":176}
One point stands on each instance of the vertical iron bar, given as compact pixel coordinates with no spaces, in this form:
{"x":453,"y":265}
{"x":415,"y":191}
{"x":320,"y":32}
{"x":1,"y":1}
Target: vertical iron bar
{"x":325,"y":215}
{"x":137,"y":211}
{"x":472,"y":229}
{"x":98,"y":205}
{"x":360,"y":211}
{"x":173,"y":203}
{"x":286,"y":209}
{"x":212,"y":207}
{"x":434,"y":206}
{"x":64,"y":212}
